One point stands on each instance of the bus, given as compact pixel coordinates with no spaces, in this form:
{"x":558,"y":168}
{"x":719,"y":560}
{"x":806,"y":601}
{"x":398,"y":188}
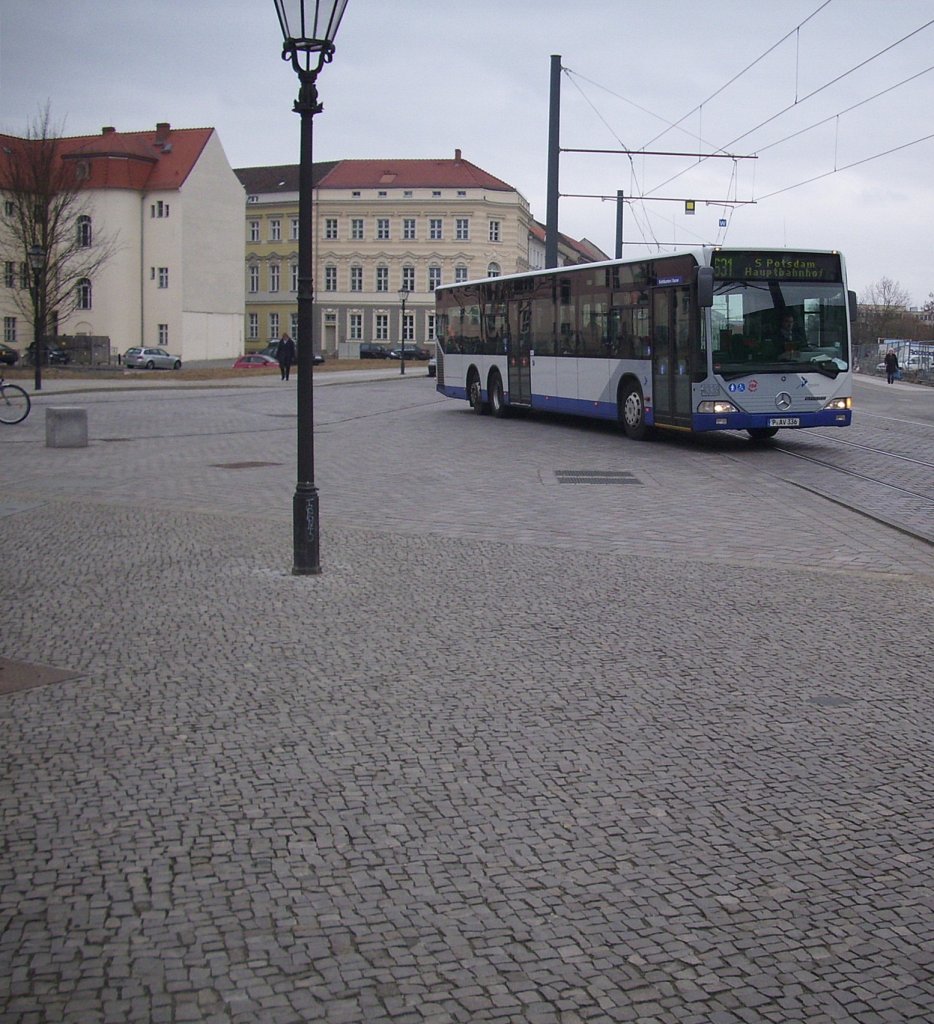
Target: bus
{"x":710,"y":339}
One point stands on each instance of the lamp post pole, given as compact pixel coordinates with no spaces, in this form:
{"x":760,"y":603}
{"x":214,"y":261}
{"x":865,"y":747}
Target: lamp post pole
{"x":403,"y":295}
{"x":36,"y":262}
{"x":308,"y":30}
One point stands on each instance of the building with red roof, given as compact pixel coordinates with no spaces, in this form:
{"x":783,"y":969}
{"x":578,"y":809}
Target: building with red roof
{"x":381,"y":225}
{"x":172,"y":207}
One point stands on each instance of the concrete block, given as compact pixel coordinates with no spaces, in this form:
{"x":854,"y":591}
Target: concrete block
{"x":66,"y":427}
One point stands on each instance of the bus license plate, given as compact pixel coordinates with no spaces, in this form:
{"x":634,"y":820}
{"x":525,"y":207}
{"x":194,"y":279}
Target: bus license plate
{"x":784,"y":421}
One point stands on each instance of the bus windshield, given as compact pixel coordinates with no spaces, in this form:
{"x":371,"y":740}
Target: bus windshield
{"x":771,"y":325}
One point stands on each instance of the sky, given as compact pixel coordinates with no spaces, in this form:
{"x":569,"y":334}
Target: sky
{"x":824,"y":108}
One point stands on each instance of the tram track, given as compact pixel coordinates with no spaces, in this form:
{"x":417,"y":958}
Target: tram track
{"x":885,"y":501}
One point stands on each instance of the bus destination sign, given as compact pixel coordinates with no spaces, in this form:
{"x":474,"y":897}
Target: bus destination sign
{"x":739,"y":265}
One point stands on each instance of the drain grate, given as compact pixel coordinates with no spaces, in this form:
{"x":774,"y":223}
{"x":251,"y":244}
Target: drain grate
{"x":23,"y":675}
{"x":596,"y":476}
{"x":242,"y":465}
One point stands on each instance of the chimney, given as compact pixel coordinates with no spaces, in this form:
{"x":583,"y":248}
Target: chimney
{"x":162,"y":131}
{"x":108,"y":130}
{"x":457,"y":156}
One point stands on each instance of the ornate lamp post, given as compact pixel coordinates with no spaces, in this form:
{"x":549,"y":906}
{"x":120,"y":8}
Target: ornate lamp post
{"x":36,"y":256}
{"x":403,"y":295}
{"x":308,"y":31}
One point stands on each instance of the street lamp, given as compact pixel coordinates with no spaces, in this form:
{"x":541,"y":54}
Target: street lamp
{"x":403,"y":295}
{"x":308,"y":31}
{"x":36,"y":256}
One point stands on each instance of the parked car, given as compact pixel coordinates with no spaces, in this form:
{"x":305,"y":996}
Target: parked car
{"x":8,"y":355}
{"x":370,"y":350}
{"x":273,"y":347}
{"x":151,"y":359}
{"x":433,"y":367}
{"x":52,"y":355}
{"x":257,"y":361}
{"x":411,"y":352}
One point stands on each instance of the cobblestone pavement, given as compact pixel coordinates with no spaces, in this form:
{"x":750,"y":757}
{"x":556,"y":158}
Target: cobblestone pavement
{"x":527,"y":750}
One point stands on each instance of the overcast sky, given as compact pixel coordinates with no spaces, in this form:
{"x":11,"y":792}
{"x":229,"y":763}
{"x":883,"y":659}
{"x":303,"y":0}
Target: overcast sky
{"x":421,"y":78}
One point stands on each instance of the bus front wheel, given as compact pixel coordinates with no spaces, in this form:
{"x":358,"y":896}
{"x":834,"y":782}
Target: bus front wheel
{"x":632,"y":412}
{"x":762,"y":433}
{"x":497,"y":400}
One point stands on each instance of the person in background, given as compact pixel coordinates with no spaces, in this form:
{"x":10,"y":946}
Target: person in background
{"x":891,"y":365}
{"x":285,"y":354}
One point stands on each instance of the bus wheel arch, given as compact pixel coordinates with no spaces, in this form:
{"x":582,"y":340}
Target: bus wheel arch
{"x":630,"y":408}
{"x":474,"y":392}
{"x":496,"y":395}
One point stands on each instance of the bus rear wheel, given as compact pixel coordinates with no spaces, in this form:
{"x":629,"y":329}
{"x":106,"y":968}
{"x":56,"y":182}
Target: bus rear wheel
{"x":632,"y":412}
{"x":474,"y":393}
{"x":762,"y":433}
{"x":498,"y":405}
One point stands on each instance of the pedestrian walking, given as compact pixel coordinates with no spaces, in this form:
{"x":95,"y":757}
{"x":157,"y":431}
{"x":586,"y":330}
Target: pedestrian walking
{"x":891,"y":365}
{"x":285,"y":354}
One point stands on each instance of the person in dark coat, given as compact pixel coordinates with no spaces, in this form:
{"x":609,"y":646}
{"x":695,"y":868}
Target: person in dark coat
{"x":285,"y":354}
{"x":891,"y":365}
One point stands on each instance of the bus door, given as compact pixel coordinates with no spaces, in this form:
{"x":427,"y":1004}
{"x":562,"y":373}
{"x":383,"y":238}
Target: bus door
{"x":671,"y":355}
{"x":518,"y":349}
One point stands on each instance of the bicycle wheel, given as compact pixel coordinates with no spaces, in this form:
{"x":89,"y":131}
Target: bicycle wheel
{"x":14,"y":403}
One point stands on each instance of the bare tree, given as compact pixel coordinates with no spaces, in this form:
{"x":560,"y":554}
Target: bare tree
{"x":883,"y":312}
{"x":46,"y":204}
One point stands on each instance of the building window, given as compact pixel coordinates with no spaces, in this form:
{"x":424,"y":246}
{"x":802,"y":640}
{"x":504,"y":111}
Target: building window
{"x":356,"y":229}
{"x":84,"y":232}
{"x":163,"y":277}
{"x":164,"y":335}
{"x":293,"y":270}
{"x":294,"y":230}
{"x":254,"y":278}
{"x":252,"y":326}
{"x":434,"y":278}
{"x":408,"y":327}
{"x":460,"y":274}
{"x":159,"y":209}
{"x":436,"y":194}
{"x":356,"y":327}
{"x":273,"y":277}
{"x":408,"y":278}
{"x":84,"y":293}
{"x":293,"y":324}
{"x":431,"y":327}
{"x":9,"y":274}
{"x":330,"y":229}
{"x":8,"y":207}
{"x":435,"y":232}
{"x":330,"y":279}
{"x":382,"y":327}
{"x":356,"y":279}
{"x":381,"y":194}
{"x":9,"y":330}
{"x":273,"y":326}
{"x":494,"y":230}
{"x":408,"y":229}
{"x":24,"y":275}
{"x":462,"y":229}
{"x":382,"y":279}
{"x":382,"y":229}
{"x":275,"y":230}
{"x":254,"y":231}
{"x":493,"y":270}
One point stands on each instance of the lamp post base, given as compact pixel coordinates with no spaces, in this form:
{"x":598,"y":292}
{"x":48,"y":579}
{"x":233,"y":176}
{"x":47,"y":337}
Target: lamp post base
{"x":306,"y":557}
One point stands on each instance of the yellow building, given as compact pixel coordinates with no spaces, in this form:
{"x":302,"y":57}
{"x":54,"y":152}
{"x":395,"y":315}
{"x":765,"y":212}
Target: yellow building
{"x":380,"y":226}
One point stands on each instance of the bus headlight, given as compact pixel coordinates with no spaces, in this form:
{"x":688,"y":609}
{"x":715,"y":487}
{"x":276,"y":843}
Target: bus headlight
{"x":839,"y":404}
{"x":720,"y":406}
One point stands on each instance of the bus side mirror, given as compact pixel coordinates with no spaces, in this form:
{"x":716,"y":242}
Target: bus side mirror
{"x":854,"y":306}
{"x":705,"y":287}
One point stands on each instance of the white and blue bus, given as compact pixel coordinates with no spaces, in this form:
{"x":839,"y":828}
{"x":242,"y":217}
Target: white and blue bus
{"x":713,"y":339}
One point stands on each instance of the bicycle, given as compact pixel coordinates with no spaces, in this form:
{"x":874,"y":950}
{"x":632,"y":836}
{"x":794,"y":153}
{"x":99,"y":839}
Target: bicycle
{"x":14,"y":403}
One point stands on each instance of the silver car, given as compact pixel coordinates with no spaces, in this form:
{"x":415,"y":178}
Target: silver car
{"x":151,"y":359}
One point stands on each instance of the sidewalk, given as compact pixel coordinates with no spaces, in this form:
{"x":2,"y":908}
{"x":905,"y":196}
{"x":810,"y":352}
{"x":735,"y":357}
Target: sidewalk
{"x":536,"y":755}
